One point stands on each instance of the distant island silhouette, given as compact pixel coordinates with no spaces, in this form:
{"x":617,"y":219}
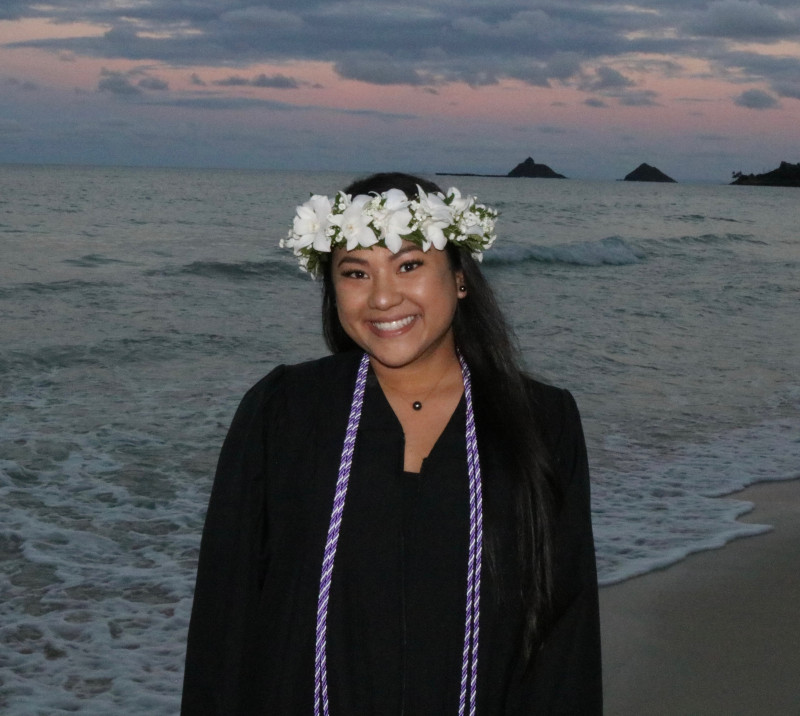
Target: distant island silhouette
{"x":644,"y":172}
{"x":786,"y":174}
{"x":528,"y":168}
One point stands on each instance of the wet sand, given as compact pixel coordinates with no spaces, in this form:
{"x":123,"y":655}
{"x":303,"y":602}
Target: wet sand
{"x":717,"y":634}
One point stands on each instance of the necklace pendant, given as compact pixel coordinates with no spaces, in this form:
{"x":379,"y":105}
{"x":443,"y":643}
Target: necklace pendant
{"x":416,"y":405}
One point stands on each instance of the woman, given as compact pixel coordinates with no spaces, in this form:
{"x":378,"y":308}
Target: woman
{"x":402,"y":527}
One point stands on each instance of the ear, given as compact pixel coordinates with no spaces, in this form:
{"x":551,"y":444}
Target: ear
{"x":461,"y":286}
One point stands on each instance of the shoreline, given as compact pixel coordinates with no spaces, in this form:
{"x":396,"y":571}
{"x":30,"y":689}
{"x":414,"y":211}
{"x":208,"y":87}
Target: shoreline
{"x":716,"y":633}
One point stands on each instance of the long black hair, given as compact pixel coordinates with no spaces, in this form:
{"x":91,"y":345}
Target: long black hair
{"x":503,"y":412}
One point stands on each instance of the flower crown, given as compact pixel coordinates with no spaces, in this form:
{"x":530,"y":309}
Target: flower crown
{"x":387,"y":219}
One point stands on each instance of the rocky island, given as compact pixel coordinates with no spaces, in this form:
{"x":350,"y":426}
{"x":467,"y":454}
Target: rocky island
{"x":528,"y":168}
{"x":786,"y":174}
{"x":644,"y":172}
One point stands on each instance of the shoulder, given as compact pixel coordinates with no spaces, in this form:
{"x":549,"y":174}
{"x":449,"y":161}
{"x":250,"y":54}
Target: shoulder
{"x":556,"y":413}
{"x":552,"y":405}
{"x":304,"y":386}
{"x":545,"y":396}
{"x":324,"y":372}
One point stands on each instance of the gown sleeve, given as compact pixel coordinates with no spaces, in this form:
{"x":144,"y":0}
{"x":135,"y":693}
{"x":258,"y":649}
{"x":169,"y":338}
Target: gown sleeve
{"x":231,"y":555}
{"x":567,"y":669}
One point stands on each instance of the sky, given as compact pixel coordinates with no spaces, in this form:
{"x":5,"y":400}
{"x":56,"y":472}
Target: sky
{"x":698,"y":89}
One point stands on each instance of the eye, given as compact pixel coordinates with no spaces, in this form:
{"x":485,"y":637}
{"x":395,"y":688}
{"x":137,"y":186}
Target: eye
{"x":407,"y":266}
{"x":353,"y":273}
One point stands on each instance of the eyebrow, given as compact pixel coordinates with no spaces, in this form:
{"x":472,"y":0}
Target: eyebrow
{"x":347,"y":258}
{"x":407,"y":249}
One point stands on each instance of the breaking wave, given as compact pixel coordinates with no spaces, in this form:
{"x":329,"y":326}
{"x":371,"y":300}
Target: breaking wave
{"x":611,"y":250}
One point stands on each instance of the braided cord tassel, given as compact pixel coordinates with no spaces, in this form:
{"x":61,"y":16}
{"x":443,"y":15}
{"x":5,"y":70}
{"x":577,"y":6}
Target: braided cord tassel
{"x":320,"y":662}
{"x":469,"y":666}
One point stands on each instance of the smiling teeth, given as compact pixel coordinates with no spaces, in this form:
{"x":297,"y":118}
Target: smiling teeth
{"x":392,"y":325}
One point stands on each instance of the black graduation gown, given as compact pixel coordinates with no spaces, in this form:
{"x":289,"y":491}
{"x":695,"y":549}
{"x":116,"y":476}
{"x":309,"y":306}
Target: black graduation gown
{"x":397,"y":604}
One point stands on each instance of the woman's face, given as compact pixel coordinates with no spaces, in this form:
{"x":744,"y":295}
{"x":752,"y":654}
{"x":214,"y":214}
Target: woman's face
{"x":398,"y":307}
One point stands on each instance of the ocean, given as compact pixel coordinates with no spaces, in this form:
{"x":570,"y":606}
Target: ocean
{"x":138,"y":305}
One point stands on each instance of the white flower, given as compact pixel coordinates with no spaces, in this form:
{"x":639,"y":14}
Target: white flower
{"x":353,"y":224}
{"x":311,"y":224}
{"x":458,"y":204}
{"x":433,"y":216}
{"x":432,"y":231}
{"x":392,"y":219}
{"x":433,"y":205}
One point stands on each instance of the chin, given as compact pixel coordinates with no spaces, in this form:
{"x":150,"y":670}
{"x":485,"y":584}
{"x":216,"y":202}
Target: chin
{"x":393,"y":359}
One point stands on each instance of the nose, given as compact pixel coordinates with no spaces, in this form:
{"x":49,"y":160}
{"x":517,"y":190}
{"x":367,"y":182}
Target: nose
{"x":384,"y":292}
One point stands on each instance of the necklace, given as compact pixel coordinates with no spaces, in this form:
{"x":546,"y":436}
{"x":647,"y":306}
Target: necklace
{"x":469,"y":665}
{"x":417,"y":404}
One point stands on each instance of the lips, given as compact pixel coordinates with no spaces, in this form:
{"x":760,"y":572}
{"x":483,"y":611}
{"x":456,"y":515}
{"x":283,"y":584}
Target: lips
{"x":395,"y":325}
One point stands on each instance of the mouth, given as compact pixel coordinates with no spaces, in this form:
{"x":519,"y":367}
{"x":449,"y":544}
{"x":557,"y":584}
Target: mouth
{"x":395,"y":325}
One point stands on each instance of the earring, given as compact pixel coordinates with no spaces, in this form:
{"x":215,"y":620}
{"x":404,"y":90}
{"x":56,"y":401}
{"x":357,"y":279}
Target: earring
{"x":462,"y":289}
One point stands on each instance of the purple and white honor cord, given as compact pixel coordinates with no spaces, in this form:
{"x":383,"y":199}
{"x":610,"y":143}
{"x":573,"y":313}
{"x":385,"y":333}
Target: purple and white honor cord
{"x":469,"y":662}
{"x":469,"y":666}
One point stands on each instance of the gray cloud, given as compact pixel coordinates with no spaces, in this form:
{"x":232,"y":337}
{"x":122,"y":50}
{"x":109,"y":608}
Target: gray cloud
{"x":153,"y":83}
{"x":607,"y":78}
{"x":124,"y":84}
{"x":613,"y":84}
{"x":638,"y":98}
{"x":436,"y":35}
{"x":380,"y":69}
{"x":788,"y":89}
{"x":264,"y":17}
{"x":783,"y":72}
{"x":117,"y":83}
{"x":275,"y":81}
{"x":15,"y":9}
{"x":427,"y":43}
{"x":745,"y":20}
{"x":756,"y":99}
{"x":233,"y":81}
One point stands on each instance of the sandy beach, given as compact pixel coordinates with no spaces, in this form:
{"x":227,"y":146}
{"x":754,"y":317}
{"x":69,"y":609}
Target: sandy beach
{"x":717,"y":634}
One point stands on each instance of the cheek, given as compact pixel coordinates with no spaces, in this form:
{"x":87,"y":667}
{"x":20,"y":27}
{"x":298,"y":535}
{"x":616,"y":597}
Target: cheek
{"x":344,"y":318}
{"x":345,"y":304}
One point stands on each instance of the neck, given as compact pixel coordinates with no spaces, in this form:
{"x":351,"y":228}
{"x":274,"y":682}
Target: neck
{"x":421,"y":375}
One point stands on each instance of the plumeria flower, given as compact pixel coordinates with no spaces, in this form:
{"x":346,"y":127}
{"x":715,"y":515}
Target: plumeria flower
{"x":458,"y":203}
{"x":434,"y":206}
{"x":434,"y":236}
{"x":311,"y":224}
{"x":393,"y":219}
{"x":435,"y":217}
{"x":354,"y":222}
